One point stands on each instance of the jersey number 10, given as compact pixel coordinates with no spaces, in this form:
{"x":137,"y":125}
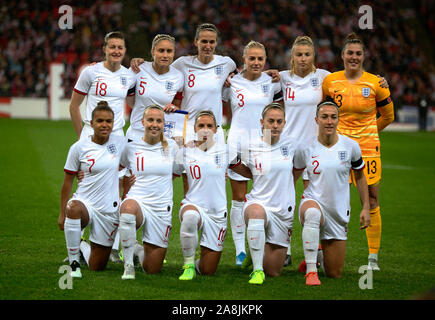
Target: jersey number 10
{"x":195,"y":172}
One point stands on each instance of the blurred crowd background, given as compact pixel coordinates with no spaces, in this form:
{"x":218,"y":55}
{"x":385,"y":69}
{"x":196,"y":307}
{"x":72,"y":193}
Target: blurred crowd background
{"x":399,"y":47}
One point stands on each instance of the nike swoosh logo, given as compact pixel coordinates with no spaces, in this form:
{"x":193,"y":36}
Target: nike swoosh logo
{"x":191,"y":70}
{"x":314,"y":156}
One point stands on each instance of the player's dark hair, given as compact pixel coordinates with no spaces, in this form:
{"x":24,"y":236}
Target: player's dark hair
{"x":327,"y":102}
{"x":352,"y":38}
{"x":102,"y":106}
{"x":113,"y":35}
{"x":206,"y":27}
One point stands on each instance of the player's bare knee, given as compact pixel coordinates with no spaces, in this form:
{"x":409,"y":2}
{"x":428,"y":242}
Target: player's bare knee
{"x":129,"y":206}
{"x":152,"y":269}
{"x":208,"y":270}
{"x":74,"y":210}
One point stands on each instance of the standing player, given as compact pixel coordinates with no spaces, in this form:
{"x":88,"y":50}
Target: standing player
{"x":156,"y":83}
{"x":324,"y":211}
{"x":302,"y":91}
{"x":148,"y":203}
{"x":96,"y":200}
{"x":249,"y":92}
{"x":204,"y":77}
{"x":205,"y":161}
{"x":269,"y":207}
{"x":106,"y":80}
{"x":359,"y":97}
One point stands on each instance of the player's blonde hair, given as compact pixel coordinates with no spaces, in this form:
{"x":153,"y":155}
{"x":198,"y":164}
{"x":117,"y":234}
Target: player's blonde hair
{"x":162,"y":136}
{"x":250,"y":45}
{"x":205,"y":113}
{"x":159,"y":38}
{"x":253,"y":44}
{"x":271,"y":106}
{"x":301,"y":41}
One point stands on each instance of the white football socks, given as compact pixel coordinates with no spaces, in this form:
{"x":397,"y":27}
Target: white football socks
{"x":189,"y":235}
{"x":127,"y":234}
{"x":238,"y":226}
{"x":85,"y":248}
{"x":256,"y":242}
{"x":72,"y":231}
{"x":310,"y":237}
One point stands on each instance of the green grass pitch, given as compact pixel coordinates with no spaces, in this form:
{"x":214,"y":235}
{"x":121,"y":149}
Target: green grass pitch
{"x":32,"y":155}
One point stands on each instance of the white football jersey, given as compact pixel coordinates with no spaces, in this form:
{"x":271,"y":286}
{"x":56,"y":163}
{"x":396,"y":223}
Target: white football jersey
{"x":248,"y":99}
{"x":272,"y":171}
{"x":328,"y":171}
{"x":206,"y":176}
{"x":99,"y":83}
{"x":100,"y":164}
{"x":203,"y":84}
{"x":153,"y":169}
{"x":153,"y":88}
{"x":301,"y":97}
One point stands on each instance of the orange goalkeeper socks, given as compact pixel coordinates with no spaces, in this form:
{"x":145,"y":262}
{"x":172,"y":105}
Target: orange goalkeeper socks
{"x":374,"y":230}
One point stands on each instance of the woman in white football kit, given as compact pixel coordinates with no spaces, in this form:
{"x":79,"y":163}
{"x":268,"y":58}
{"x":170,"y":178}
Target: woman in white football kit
{"x":249,"y":92}
{"x":324,"y":210}
{"x":107,"y":80}
{"x":302,"y":91}
{"x":269,"y":207}
{"x":96,"y":200}
{"x":148,"y":203}
{"x":205,"y":162}
{"x":156,"y":83}
{"x":204,"y":77}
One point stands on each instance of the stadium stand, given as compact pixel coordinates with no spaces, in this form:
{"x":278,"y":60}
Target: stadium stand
{"x":399,"y":46}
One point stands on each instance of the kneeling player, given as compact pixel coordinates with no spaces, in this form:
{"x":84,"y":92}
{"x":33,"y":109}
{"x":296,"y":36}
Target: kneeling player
{"x":96,"y":200}
{"x":325,"y":209}
{"x":148,"y":203}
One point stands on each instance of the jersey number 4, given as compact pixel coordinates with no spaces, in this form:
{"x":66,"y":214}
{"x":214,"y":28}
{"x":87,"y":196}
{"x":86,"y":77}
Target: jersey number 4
{"x":289,"y":94}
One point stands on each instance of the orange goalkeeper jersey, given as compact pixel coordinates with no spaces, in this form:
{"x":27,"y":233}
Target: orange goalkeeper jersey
{"x":358,"y":104}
